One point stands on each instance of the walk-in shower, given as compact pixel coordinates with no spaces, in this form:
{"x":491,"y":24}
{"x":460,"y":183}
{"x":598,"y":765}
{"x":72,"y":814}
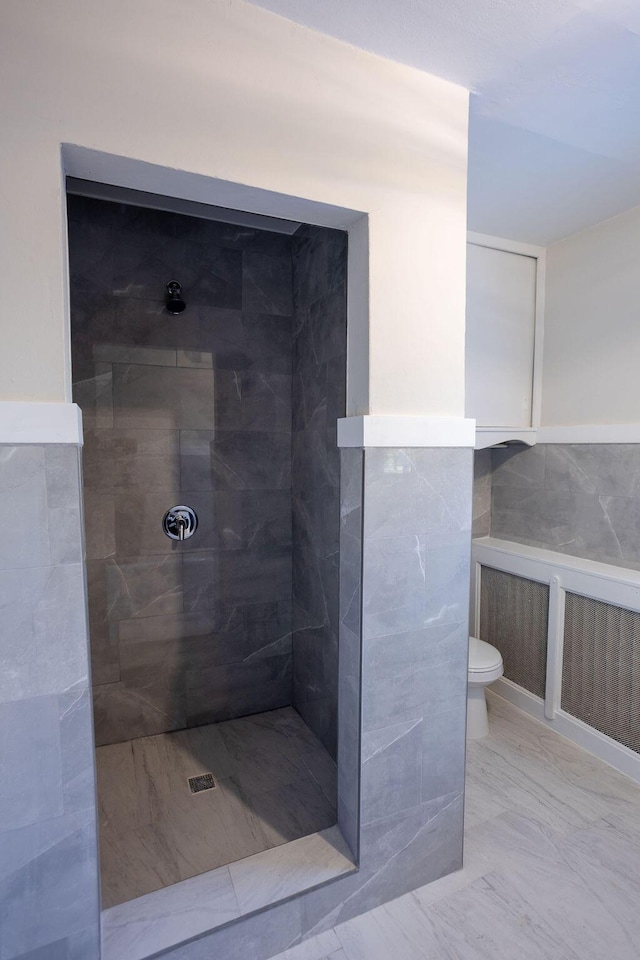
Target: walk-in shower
{"x":211,"y":507}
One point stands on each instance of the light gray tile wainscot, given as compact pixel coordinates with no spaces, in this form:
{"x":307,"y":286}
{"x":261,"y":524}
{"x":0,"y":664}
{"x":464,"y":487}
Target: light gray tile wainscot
{"x":580,"y":499}
{"x":417,"y":519}
{"x":48,"y":867}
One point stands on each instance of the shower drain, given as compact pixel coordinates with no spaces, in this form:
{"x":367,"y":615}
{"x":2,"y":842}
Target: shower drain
{"x":203,"y":781}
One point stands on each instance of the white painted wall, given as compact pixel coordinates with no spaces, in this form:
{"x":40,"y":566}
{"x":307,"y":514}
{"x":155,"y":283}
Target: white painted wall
{"x":592,"y":326}
{"x":501,"y":317}
{"x":222,"y":89}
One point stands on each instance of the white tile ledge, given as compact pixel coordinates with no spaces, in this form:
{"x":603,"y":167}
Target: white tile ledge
{"x":398,"y":431}
{"x":142,"y":928}
{"x":571,"y":433}
{"x":22,"y":422}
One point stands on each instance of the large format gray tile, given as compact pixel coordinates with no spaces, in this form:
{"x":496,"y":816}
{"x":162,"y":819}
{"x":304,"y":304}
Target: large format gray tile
{"x":84,"y":943}
{"x":62,"y":477}
{"x":296,"y":809}
{"x":482,"y":493}
{"x":579,"y":499}
{"x":251,"y":460}
{"x":146,"y":323}
{"x":527,"y":887}
{"x":141,"y":706}
{"x":417,"y":491}
{"x":25,"y":541}
{"x":36,"y":605}
{"x":443,"y":747}
{"x":397,"y":854}
{"x":48,"y":883}
{"x":99,"y":525}
{"x":395,"y":589}
{"x":414,"y":675}
{"x":277,"y":874}
{"x":610,"y":470}
{"x":124,"y":353}
{"x":253,"y":400}
{"x":214,"y":829}
{"x":315,"y":948}
{"x":227,"y":690}
{"x":391,"y":769}
{"x":151,"y":923}
{"x":154,"y":832}
{"x":130,"y":458}
{"x":261,"y":934}
{"x":259,"y":575}
{"x":518,"y":466}
{"x":143,"y":586}
{"x":77,"y":748}
{"x":105,"y":651}
{"x":179,"y":398}
{"x":266,"y":283}
{"x":30,"y":762}
{"x":94,"y":395}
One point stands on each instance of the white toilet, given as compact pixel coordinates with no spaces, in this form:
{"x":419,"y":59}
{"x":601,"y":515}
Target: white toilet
{"x":485,"y":666}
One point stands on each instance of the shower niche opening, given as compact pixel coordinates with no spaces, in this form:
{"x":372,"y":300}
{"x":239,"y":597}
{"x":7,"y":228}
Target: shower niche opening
{"x":209,"y":361}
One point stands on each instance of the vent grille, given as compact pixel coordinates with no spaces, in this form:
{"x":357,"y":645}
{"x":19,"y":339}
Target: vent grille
{"x":514,"y":614}
{"x":601,"y":668}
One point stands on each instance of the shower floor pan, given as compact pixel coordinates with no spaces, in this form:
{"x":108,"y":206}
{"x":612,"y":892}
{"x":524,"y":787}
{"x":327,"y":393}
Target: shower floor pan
{"x":267,"y":780}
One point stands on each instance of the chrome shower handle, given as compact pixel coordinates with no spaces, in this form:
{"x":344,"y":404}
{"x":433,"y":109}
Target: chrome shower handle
{"x":180,"y":523}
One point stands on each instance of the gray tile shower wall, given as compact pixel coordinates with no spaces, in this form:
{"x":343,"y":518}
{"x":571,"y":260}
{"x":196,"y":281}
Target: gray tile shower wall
{"x":193,"y":409}
{"x":319,"y":399}
{"x":579,"y":499}
{"x":415,"y":530}
{"x":48,"y":865}
{"x":349,"y":661}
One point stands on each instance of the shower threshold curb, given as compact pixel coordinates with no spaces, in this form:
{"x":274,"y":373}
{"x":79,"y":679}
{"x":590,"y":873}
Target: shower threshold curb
{"x":150,"y":925}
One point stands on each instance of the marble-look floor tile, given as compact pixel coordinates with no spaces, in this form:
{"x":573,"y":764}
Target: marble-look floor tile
{"x":512,"y":730}
{"x":606,"y":858}
{"x":154,"y":832}
{"x":276,"y":874}
{"x":133,"y":863}
{"x":545,"y":796}
{"x":551,"y":861}
{"x":480,"y":922}
{"x":293,"y":810}
{"x":152,"y":923}
{"x":617,"y":795}
{"x":396,"y":929}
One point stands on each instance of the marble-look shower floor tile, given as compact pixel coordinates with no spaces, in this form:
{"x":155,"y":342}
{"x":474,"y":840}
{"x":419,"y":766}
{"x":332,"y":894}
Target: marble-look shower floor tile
{"x":551,"y":863}
{"x":275,"y":782}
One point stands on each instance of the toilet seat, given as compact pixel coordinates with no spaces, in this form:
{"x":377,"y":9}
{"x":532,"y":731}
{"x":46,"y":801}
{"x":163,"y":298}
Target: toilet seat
{"x":485,"y":662}
{"x":483,"y":658}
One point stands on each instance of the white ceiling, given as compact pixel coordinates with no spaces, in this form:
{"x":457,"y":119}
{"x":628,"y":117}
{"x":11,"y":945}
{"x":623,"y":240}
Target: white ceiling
{"x":554,"y":141}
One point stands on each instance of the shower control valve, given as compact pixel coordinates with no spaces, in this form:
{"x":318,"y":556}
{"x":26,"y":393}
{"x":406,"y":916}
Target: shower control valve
{"x":180,"y":523}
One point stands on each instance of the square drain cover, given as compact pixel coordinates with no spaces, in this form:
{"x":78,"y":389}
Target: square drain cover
{"x":203,"y":781}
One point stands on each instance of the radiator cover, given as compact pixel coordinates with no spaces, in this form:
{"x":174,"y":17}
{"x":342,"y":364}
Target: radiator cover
{"x":514,"y":615}
{"x":601,"y":668}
